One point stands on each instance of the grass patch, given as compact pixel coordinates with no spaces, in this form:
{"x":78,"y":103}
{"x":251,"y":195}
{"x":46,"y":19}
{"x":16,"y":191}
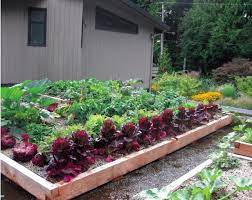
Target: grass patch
{"x":241,"y":102}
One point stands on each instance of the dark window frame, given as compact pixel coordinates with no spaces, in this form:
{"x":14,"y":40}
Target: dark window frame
{"x":30,"y":22}
{"x":113,"y":29}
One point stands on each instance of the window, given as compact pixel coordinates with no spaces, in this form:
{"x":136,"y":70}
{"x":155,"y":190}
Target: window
{"x":37,"y":27}
{"x":106,"y":20}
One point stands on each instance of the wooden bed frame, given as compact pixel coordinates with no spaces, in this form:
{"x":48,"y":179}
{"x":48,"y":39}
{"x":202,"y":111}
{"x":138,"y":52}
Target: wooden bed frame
{"x":45,"y":190}
{"x":242,"y":148}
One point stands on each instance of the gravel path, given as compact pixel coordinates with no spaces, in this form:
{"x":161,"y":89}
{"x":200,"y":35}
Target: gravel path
{"x":156,"y":174}
{"x":238,"y":110}
{"x":242,"y":171}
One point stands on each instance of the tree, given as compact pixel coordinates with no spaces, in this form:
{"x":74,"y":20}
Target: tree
{"x":164,"y":62}
{"x":212,"y":33}
{"x":174,"y":11}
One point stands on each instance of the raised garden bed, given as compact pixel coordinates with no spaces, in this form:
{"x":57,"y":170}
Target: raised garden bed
{"x":242,"y":148}
{"x":43,"y":189}
{"x":208,"y":182}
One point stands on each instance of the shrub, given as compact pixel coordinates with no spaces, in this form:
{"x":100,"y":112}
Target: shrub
{"x":164,"y":62}
{"x":207,"y":84}
{"x":244,"y":85}
{"x":228,"y":90}
{"x":183,"y":84}
{"x":207,"y":97}
{"x":228,"y":71}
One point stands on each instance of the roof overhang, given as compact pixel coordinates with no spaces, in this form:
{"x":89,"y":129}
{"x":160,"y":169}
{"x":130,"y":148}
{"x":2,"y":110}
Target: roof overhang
{"x":159,"y":25}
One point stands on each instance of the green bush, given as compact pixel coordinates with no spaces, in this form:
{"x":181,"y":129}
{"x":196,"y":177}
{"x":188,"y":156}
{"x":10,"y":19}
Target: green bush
{"x":164,"y":62}
{"x":183,"y":84}
{"x":244,"y":85}
{"x":207,"y":84}
{"x":228,"y":90}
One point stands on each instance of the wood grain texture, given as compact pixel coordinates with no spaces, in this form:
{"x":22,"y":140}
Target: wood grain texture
{"x":243,"y":148}
{"x":105,"y":173}
{"x":31,"y":182}
{"x":101,"y":175}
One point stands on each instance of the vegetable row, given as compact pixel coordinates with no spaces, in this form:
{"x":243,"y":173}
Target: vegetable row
{"x":77,"y":152}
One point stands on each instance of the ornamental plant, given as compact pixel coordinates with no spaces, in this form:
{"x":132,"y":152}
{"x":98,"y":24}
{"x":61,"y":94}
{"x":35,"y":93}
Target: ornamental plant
{"x":228,"y":90}
{"x":244,"y":85}
{"x":207,"y":97}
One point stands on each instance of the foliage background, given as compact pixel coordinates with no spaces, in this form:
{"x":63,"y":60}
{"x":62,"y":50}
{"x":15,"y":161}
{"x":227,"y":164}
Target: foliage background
{"x":207,"y":32}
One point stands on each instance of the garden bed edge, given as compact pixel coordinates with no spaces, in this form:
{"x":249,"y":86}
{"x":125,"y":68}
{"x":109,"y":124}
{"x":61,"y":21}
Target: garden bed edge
{"x":243,"y":148}
{"x":93,"y":178}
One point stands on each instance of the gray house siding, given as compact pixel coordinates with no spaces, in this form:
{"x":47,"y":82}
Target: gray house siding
{"x":113,"y":55}
{"x":19,"y":61}
{"x":64,"y":47}
{"x":104,"y":54}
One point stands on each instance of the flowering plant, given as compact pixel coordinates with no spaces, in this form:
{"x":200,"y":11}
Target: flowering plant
{"x":208,"y":96}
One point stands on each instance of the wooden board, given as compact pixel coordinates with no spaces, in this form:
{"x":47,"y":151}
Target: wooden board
{"x":57,"y":99}
{"x":91,"y":179}
{"x":31,"y":182}
{"x":243,"y":148}
{"x":178,"y":182}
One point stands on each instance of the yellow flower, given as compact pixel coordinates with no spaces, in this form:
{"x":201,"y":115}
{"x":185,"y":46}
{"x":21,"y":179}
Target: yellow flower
{"x":208,"y":96}
{"x":154,"y":87}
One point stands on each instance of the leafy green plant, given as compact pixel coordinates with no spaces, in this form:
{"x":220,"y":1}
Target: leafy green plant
{"x":221,"y":158}
{"x":168,"y":99}
{"x":241,"y":184}
{"x":57,"y":132}
{"x":14,"y":111}
{"x":19,"y":102}
{"x":210,"y":181}
{"x":248,"y":135}
{"x":245,"y":131}
{"x":207,"y":84}
{"x":244,"y":85}
{"x":119,"y":121}
{"x":183,"y":84}
{"x":38,"y":132}
{"x":164,"y":62}
{"x":228,"y":90}
{"x":94,"y":124}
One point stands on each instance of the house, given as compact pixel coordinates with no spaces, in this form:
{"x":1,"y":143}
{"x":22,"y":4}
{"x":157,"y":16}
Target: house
{"x":74,"y":39}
